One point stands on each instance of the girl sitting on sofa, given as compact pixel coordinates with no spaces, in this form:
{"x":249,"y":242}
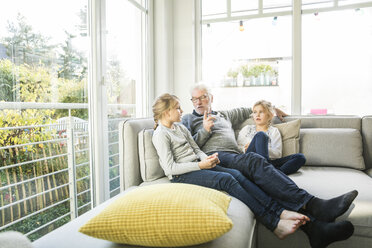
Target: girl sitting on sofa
{"x":265,"y":139}
{"x":183,"y":162}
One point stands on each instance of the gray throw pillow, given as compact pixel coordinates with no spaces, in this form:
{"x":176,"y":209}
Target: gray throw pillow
{"x":332,"y":147}
{"x":149,"y":159}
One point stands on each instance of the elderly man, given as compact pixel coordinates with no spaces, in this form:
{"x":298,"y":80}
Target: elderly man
{"x":214,"y":133}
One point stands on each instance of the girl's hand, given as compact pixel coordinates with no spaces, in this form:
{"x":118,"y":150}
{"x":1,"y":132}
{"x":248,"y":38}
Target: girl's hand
{"x":215,"y":157}
{"x":208,"y":162}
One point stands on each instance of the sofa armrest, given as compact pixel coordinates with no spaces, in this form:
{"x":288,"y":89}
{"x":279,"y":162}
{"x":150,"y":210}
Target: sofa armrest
{"x":13,"y":239}
{"x":128,"y":151}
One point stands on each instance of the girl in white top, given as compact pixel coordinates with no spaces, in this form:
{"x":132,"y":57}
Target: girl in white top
{"x":264,"y":139}
{"x":184,"y":162}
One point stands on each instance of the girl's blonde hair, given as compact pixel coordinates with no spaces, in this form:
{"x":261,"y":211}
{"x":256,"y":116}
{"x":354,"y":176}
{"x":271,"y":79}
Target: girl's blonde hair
{"x":267,"y":106}
{"x":163,"y":103}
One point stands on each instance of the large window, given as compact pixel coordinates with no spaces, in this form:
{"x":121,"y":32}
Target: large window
{"x":337,"y":62}
{"x":249,"y":59}
{"x":248,"y":49}
{"x":50,"y":55}
{"x":126,"y":79}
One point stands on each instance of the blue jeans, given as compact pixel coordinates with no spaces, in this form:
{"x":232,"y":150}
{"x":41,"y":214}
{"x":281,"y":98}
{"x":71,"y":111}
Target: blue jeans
{"x":272,"y":181}
{"x":266,"y":210}
{"x":288,"y":165}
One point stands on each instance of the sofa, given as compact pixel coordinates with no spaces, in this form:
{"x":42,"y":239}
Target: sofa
{"x":339,"y":159}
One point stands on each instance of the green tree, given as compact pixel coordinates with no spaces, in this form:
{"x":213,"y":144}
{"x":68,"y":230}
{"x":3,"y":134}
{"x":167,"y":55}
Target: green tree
{"x":73,"y":64}
{"x":25,"y":45}
{"x":6,"y":80}
{"x":72,"y":91}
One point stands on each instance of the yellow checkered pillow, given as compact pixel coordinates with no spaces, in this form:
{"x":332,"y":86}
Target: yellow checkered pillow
{"x":163,"y":215}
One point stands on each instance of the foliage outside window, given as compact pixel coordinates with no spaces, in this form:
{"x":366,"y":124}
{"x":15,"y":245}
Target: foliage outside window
{"x":38,"y":68}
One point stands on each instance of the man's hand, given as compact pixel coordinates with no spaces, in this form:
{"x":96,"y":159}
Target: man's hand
{"x":208,"y":121}
{"x":280,"y":114}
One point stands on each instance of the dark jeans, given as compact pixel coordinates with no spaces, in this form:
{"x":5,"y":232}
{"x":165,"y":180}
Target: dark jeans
{"x":266,"y":210}
{"x":288,"y":165}
{"x":272,"y":181}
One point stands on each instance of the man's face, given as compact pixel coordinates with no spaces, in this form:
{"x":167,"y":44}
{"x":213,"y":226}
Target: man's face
{"x":201,"y":101}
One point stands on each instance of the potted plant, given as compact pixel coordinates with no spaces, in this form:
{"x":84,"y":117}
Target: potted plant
{"x":232,"y":77}
{"x":247,"y":76}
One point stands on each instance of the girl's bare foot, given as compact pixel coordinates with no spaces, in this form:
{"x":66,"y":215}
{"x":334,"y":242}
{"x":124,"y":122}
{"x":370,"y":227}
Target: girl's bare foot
{"x":290,"y":215}
{"x":286,"y":227}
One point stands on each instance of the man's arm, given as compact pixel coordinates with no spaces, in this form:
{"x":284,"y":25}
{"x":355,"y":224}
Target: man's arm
{"x":237,"y":115}
{"x":280,"y":114}
{"x":201,"y":135}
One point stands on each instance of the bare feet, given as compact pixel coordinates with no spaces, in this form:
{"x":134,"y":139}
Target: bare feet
{"x":290,"y":215}
{"x":286,"y":227}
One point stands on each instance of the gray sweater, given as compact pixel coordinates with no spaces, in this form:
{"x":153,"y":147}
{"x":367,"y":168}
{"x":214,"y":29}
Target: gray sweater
{"x":222,"y":135}
{"x":178,"y":152}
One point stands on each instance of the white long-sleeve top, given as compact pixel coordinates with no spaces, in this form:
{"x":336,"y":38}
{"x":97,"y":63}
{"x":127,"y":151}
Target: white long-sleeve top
{"x":275,"y":139}
{"x":178,"y":153}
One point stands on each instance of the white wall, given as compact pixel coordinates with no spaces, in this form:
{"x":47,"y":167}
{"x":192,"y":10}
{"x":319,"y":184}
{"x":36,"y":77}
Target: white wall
{"x":174,"y":43}
{"x":163,"y":47}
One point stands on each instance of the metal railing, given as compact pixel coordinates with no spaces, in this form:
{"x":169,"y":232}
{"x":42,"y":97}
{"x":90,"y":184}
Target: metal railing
{"x":46,"y":182}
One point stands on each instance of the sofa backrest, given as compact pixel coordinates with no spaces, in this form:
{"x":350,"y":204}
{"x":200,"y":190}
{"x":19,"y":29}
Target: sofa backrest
{"x":129,"y":130}
{"x":336,"y":121}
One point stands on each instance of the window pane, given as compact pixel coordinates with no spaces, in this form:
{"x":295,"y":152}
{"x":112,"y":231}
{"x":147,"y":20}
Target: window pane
{"x":337,"y":62}
{"x":43,"y":115}
{"x":276,"y":3}
{"x":241,"y":5}
{"x":347,"y":2}
{"x":213,"y":7}
{"x":246,"y":66}
{"x":124,"y":73}
{"x":310,"y":4}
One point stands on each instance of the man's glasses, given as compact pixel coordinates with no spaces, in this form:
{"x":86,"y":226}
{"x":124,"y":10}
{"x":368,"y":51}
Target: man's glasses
{"x":201,"y":98}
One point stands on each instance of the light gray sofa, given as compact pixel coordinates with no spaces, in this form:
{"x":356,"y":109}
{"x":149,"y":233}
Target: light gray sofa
{"x":339,"y":159}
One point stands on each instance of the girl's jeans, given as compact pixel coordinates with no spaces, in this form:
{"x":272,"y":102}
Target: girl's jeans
{"x":288,"y":165}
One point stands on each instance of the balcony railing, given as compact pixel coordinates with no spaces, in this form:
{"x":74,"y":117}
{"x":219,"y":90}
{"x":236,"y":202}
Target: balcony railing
{"x":45,"y":179}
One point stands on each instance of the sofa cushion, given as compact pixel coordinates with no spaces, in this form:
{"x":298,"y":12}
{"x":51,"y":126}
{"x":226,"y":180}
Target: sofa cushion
{"x":149,"y":159}
{"x":290,"y":132}
{"x":332,"y":147}
{"x":238,"y":212}
{"x":326,"y":183}
{"x":163,"y":215}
